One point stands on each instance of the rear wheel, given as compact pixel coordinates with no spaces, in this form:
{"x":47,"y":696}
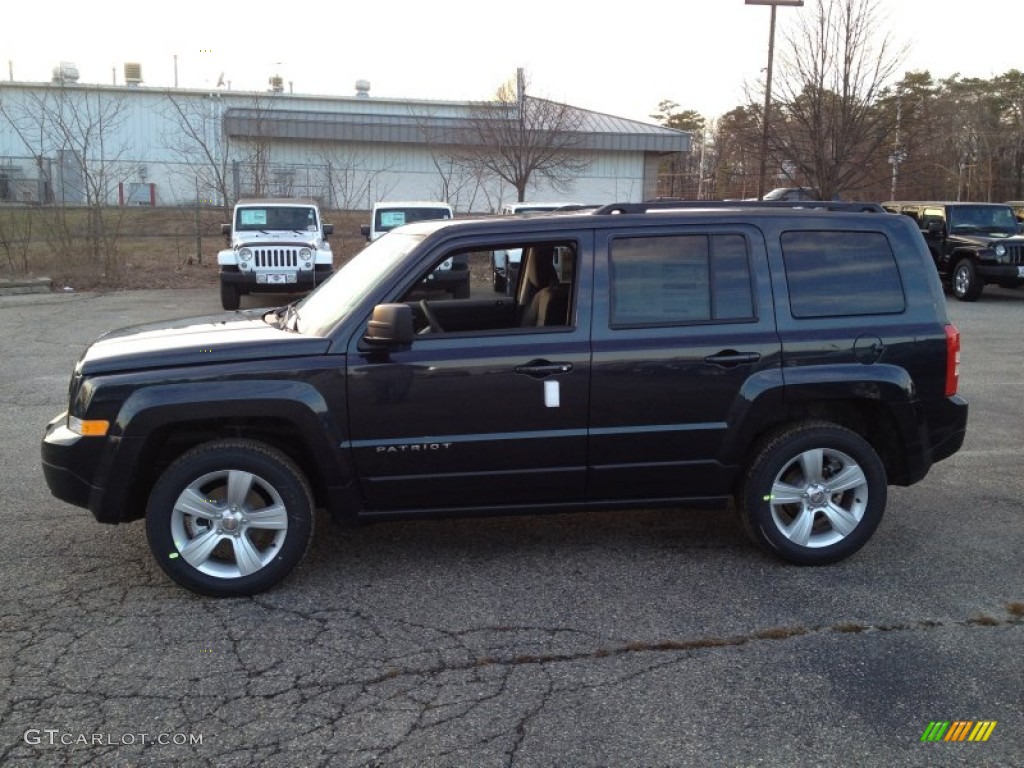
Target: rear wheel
{"x":814,"y":494}
{"x":231,"y":517}
{"x":230,"y":296}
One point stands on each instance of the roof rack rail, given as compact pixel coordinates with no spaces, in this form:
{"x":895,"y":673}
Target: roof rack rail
{"x":676,"y":205}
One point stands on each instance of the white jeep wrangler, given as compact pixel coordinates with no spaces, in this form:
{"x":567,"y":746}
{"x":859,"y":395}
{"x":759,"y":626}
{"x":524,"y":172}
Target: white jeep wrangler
{"x":276,"y":246}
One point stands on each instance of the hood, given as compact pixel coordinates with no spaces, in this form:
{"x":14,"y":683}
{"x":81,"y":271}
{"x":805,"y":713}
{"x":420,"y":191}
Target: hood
{"x":257,"y":237}
{"x":196,"y":341}
{"x":987,"y":239}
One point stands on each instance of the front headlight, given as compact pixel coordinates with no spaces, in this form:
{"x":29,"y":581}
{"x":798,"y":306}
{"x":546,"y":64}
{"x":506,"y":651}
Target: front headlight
{"x":305,"y":254}
{"x":244,"y":254}
{"x":1000,"y":251}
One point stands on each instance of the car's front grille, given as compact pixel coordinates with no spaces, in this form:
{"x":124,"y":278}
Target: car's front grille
{"x":271,"y":258}
{"x":1016,"y":254}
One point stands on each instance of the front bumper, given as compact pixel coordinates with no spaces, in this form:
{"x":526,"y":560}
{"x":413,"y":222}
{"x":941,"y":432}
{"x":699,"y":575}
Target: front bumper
{"x":1000,"y":273}
{"x":293,"y":280}
{"x":67,"y":463}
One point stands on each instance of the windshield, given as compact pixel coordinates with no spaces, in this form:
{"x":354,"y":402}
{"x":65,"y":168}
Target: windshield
{"x":791,"y":193}
{"x":350,"y":285}
{"x":255,"y":218}
{"x":389,"y":218}
{"x":990,"y":219}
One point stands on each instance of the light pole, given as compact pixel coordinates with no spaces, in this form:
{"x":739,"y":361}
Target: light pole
{"x":768,"y":88}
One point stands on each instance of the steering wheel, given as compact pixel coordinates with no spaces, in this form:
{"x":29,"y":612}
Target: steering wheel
{"x":428,"y":313}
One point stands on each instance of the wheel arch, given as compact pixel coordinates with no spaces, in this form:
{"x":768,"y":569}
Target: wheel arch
{"x":871,"y":419}
{"x":160,"y":423}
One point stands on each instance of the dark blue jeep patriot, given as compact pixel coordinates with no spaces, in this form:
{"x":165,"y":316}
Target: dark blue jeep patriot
{"x":794,"y":359}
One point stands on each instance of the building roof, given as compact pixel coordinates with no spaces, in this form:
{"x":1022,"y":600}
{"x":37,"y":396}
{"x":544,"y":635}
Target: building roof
{"x":418,"y":124}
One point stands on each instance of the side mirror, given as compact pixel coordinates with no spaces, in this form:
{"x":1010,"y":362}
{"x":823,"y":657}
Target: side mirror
{"x":364,"y":230}
{"x":934,"y":227}
{"x":328,"y":230}
{"x":390,"y":326}
{"x":225,"y":229}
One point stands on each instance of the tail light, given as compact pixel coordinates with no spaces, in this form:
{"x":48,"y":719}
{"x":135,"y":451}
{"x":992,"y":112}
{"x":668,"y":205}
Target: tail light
{"x":952,"y":360}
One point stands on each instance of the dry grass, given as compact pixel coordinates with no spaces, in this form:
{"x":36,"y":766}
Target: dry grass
{"x":155,"y":247}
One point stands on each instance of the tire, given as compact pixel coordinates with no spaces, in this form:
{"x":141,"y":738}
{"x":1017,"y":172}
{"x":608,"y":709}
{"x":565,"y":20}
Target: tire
{"x":230,"y":297}
{"x":461,"y":290}
{"x":813,"y":494}
{"x":215,"y":547}
{"x":965,"y":282}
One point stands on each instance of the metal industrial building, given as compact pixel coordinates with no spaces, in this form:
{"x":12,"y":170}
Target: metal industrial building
{"x":76,"y":143}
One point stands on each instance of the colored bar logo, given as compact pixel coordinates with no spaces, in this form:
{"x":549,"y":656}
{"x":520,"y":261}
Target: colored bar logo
{"x":958,"y":730}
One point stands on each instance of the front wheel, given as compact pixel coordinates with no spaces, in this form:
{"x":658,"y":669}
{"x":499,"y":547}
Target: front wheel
{"x":230,"y":296}
{"x":966,"y":283}
{"x":461,"y":289}
{"x":230,"y":517}
{"x":814,"y":494}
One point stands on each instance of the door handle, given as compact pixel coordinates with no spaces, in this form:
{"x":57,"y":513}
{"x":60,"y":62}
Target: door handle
{"x":730,"y":357}
{"x":538,"y":369}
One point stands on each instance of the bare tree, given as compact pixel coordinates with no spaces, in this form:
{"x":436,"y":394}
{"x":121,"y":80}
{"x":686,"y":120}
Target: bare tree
{"x":517,"y":138}
{"x":353,"y":176}
{"x":76,"y":129}
{"x":457,"y":182}
{"x":199,"y":140}
{"x":16,"y":236}
{"x":834,"y":68}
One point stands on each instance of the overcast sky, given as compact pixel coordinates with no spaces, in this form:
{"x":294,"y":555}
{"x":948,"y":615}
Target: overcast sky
{"x":616,"y":58}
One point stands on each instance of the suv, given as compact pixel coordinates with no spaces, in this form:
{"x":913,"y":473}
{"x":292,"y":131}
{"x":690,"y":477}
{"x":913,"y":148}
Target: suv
{"x":793,"y":361}
{"x":278,"y":246}
{"x":451,"y":276}
{"x":790,"y":194}
{"x":1018,"y":211}
{"x":971,"y":243}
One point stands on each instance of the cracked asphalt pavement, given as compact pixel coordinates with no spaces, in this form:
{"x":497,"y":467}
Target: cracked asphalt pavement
{"x":645,"y":638}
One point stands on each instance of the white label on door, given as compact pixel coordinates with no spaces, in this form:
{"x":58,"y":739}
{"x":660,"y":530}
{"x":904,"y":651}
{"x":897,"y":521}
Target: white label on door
{"x":552,"y":396}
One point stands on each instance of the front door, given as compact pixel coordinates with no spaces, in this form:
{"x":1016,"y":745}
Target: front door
{"x":485,"y":413}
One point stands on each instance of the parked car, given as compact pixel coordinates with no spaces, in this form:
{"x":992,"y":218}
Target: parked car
{"x":793,"y":193}
{"x":1018,"y":211}
{"x":971,"y":243}
{"x":794,"y":361}
{"x":273,"y":245}
{"x":451,"y":276}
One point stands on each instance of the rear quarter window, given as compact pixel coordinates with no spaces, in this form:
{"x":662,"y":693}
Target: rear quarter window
{"x":836,"y":274}
{"x":681,"y":279}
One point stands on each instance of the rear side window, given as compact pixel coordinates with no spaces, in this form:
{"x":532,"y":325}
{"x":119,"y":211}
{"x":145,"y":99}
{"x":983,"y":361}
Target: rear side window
{"x":835,"y":274}
{"x":680,"y":279}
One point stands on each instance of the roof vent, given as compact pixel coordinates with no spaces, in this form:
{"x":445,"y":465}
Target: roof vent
{"x":132,"y":73}
{"x":362,"y":89}
{"x":65,"y":72}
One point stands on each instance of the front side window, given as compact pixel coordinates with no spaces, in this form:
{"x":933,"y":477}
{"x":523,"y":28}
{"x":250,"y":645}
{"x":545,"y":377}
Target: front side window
{"x":541,"y":295}
{"x":835,"y":274}
{"x":680,"y":279}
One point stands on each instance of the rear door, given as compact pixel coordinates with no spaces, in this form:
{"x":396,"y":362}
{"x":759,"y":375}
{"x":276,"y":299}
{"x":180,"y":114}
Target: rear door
{"x":685,"y":346}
